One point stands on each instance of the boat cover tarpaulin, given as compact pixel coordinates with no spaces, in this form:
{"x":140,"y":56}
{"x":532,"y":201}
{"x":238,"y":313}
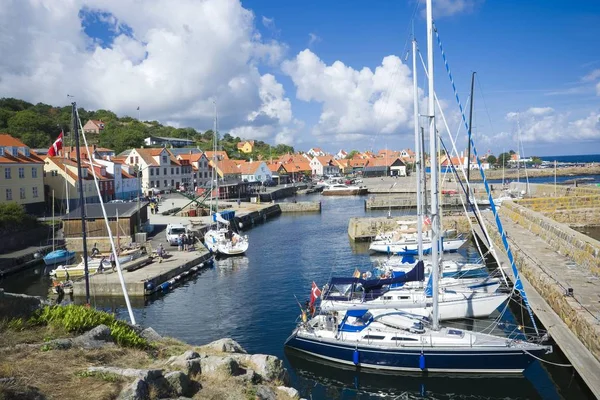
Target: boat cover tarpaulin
{"x":414,"y":275}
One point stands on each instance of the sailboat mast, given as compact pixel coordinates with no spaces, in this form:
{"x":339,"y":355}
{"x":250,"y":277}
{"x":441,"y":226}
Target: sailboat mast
{"x":433,"y":146}
{"x":81,"y":201}
{"x":469,"y":141}
{"x":216,"y":177}
{"x":417,"y":151}
{"x":423,"y":174}
{"x":53,"y":225}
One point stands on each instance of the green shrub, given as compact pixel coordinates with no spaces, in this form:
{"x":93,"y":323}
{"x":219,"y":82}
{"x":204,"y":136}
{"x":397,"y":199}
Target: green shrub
{"x":79,"y":319}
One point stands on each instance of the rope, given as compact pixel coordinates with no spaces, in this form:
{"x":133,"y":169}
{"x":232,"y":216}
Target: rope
{"x":548,"y":362}
{"x":518,"y":283}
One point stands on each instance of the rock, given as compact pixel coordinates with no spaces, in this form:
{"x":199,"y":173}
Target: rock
{"x":214,"y":364}
{"x":250,"y":377}
{"x":144,"y":374}
{"x":188,"y":361}
{"x":180,"y":383}
{"x":265,"y":393}
{"x":151,"y":335}
{"x":59,"y":344}
{"x":293,"y":393}
{"x":270,"y":368}
{"x":226,"y":345}
{"x":138,"y":390}
{"x":95,"y":338}
{"x":10,"y":391}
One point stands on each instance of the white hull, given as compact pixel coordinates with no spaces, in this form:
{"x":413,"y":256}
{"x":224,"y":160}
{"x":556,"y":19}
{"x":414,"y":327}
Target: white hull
{"x":218,"y":242}
{"x":389,"y":246}
{"x":93,"y":264}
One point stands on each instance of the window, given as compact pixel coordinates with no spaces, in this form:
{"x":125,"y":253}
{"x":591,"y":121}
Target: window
{"x":151,"y":184}
{"x":35,"y":192}
{"x":7,"y":173}
{"x":172,"y":170}
{"x":151,"y":171}
{"x":137,"y":159}
{"x":131,"y":160}
{"x":157,"y":171}
{"x":373,"y":337}
{"x":177,"y":171}
{"x":8,"y":194}
{"x":34,"y":172}
{"x":165,"y":171}
{"x":404,"y":339}
{"x":164,"y":160}
{"x":172,"y":183}
{"x":22,"y":193}
{"x":166,"y":183}
{"x":15,"y":151}
{"x":157,"y":184}
{"x":21,"y":172}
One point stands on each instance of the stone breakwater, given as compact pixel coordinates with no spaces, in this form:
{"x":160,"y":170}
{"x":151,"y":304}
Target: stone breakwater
{"x":571,"y":210}
{"x":546,"y":190}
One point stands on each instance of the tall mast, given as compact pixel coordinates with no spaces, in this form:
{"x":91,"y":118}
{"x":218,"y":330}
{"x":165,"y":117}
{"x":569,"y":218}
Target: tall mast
{"x":417,"y":150}
{"x":433,"y":146}
{"x":81,"y":201}
{"x":216,"y":173}
{"x":469,"y":141}
{"x":53,"y":224}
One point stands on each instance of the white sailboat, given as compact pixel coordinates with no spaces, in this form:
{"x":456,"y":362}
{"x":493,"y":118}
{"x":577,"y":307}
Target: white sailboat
{"x":397,"y":341}
{"x":223,"y":239}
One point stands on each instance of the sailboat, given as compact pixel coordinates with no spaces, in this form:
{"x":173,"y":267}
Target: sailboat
{"x":400,"y":341}
{"x":223,"y":239}
{"x":60,"y":256}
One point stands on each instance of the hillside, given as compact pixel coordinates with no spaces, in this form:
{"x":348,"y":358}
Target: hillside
{"x":38,"y":126}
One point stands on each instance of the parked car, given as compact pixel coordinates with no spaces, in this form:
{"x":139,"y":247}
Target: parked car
{"x":117,"y":201}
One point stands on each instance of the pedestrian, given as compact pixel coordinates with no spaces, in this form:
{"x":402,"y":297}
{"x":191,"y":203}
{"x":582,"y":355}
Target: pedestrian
{"x":113,"y":261}
{"x":184,"y":241}
{"x":160,"y":252}
{"x":239,"y":202}
{"x":101,"y":266}
{"x":180,"y":242}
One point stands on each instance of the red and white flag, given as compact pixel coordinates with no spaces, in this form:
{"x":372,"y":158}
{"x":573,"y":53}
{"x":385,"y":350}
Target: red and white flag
{"x":315,"y":293}
{"x":426,"y":220}
{"x":56,"y":146}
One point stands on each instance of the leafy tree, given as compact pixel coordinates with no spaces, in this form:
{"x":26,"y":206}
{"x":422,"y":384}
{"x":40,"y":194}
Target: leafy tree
{"x":13,"y":104}
{"x":511,"y":152}
{"x":536,"y":161}
{"x":492,"y":160}
{"x":5,"y":115}
{"x":503,"y":159}
{"x":352,"y":154}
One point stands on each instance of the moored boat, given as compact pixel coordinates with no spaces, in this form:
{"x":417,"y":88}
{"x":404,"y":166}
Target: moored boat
{"x":61,"y":256}
{"x":340,"y":189}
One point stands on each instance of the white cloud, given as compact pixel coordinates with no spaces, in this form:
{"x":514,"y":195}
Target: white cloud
{"x":546,"y":125}
{"x":592,"y":76}
{"x":313,"y":38}
{"x":448,"y":8}
{"x":355,"y":104}
{"x":170,"y":61}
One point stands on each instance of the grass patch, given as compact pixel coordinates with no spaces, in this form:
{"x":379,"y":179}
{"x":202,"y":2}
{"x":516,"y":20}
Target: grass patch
{"x":15,"y":333}
{"x":78,"y":319}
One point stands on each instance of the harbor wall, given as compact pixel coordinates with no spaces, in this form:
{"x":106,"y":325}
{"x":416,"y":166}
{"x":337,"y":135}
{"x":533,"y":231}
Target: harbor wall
{"x":583,"y":325}
{"x":547,"y":190}
{"x":570,"y":210}
{"x":12,"y":241}
{"x":301,"y":206}
{"x":578,"y":247}
{"x":395,"y":202}
{"x":102,"y":243}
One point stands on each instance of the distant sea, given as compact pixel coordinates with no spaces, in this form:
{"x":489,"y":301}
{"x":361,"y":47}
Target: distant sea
{"x":583,"y":158}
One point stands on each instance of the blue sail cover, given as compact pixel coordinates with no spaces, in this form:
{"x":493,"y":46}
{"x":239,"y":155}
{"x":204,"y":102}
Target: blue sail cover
{"x":517,"y":278}
{"x":414,"y":275}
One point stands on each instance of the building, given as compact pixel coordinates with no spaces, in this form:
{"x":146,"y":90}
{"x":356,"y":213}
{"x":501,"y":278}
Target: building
{"x":384,"y":167}
{"x":167,"y":141}
{"x":201,"y":170}
{"x":60,"y":181}
{"x":94,"y":126}
{"x":219,"y":155}
{"x":227,"y":170}
{"x":95,"y":151}
{"x":127,"y":184}
{"x":255,"y":171}
{"x":341,"y":154}
{"x":324,"y":165}
{"x":129,"y":216}
{"x":21,"y":175}
{"x":160,"y":169}
{"x":246,"y":146}
{"x":315,"y":152}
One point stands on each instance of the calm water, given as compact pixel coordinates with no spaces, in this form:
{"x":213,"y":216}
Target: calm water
{"x":251,"y":299}
{"x":582,"y":158}
{"x":591,"y":231}
{"x":583,"y":179}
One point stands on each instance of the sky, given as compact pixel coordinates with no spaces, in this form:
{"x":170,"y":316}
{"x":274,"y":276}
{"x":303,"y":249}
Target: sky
{"x":317,"y":73}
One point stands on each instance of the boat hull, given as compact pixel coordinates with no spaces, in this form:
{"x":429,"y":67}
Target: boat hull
{"x":58,"y":257}
{"x":216,"y":243}
{"x":448,"y":245}
{"x":405,"y":358}
{"x":348,"y":192}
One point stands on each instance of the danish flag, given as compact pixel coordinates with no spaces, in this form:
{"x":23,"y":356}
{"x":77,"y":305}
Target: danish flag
{"x":315,"y":293}
{"x":56,"y":146}
{"x":427,"y":221}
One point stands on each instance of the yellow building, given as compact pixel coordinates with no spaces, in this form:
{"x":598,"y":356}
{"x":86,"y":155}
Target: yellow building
{"x":21,"y":175}
{"x":246,"y":147}
{"x":60,"y":175}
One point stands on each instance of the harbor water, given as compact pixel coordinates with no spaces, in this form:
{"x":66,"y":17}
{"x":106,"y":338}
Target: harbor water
{"x":254,"y":300}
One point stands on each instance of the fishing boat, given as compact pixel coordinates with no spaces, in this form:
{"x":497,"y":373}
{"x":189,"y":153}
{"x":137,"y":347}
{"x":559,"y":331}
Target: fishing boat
{"x":224,"y":238}
{"x":340,"y":189}
{"x":398,"y":341}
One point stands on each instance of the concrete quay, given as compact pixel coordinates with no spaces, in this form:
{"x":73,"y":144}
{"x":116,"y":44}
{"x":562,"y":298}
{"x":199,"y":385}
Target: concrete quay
{"x":394,"y":202}
{"x":573,"y":321}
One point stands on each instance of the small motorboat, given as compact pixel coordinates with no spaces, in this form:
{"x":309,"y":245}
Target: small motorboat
{"x":61,"y":256}
{"x":341,"y":189}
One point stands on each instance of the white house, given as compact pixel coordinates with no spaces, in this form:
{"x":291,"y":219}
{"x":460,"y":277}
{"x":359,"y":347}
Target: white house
{"x":160,"y":169}
{"x":341,"y":155}
{"x":127,"y":185}
{"x":255,"y":171}
{"x":201,"y":171}
{"x":315,"y":152}
{"x":324,"y":165}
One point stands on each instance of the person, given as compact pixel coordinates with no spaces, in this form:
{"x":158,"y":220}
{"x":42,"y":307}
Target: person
{"x":160,"y":252}
{"x":180,"y":242}
{"x":101,"y":266}
{"x":113,"y":261}
{"x":185,"y":242}
{"x":239,"y":202}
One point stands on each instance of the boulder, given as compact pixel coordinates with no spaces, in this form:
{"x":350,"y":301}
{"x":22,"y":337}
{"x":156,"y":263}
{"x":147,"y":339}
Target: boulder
{"x":265,"y":393}
{"x":215,"y":364}
{"x":144,"y":374}
{"x":270,"y":368}
{"x":188,"y":361}
{"x":95,"y":338}
{"x":180,"y":383}
{"x":249,"y":377}
{"x":291,"y":392}
{"x":226,"y":345}
{"x":59,"y":344}
{"x":138,"y":390}
{"x":151,"y":335}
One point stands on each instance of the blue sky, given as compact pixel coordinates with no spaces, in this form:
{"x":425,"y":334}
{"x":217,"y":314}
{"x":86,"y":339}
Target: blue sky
{"x":310,"y":73}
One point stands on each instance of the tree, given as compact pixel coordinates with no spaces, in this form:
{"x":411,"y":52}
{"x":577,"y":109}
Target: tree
{"x":492,"y":160}
{"x":511,"y":152}
{"x":503,"y":159}
{"x":351,"y":154}
{"x":536,"y":161}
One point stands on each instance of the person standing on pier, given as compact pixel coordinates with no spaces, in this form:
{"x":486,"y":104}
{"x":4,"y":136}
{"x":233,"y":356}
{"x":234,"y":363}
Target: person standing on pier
{"x":113,"y":262}
{"x":160,"y":252}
